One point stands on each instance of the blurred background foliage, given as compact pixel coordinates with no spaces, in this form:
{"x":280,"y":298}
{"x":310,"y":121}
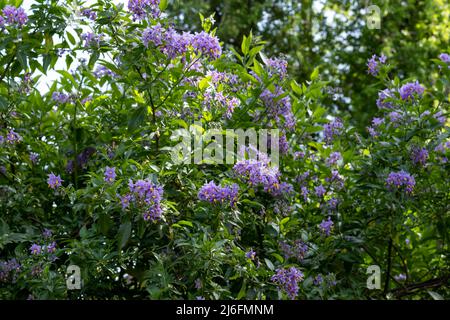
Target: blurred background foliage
{"x":333,"y":34}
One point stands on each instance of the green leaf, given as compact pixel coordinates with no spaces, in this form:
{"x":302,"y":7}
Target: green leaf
{"x":296,"y":87}
{"x":71,"y":38}
{"x":46,"y":62}
{"x":163,"y":4}
{"x":123,"y":234}
{"x":137,"y":118}
{"x":435,"y":295}
{"x":22,"y":57}
{"x":245,"y":46}
{"x":68,"y":76}
{"x":315,"y":74}
{"x":3,"y":104}
{"x":242,"y":293}
{"x":269,"y":264}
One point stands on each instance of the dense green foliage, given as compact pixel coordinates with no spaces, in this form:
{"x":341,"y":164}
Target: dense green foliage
{"x":121,"y":94}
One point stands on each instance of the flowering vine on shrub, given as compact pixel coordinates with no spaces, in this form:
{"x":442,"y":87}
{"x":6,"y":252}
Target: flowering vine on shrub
{"x":87,"y":179}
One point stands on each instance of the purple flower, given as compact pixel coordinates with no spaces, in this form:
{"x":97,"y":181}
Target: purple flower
{"x":383,"y":96}
{"x":147,"y":195}
{"x":326,"y":226}
{"x":9,"y":270}
{"x":419,"y":156}
{"x":51,"y":248}
{"x":13,"y":137}
{"x":258,"y":172}
{"x":283,"y":143}
{"x":60,"y":97}
{"x":2,"y":139}
{"x":401,"y":179}
{"x":376,"y":122}
{"x":110,"y":174}
{"x":35,"y":249}
{"x":207,"y":45}
{"x":318,"y":280}
{"x":332,"y":203}
{"x":305,"y":192}
{"x":198,"y":284}
{"x":299,"y":155}
{"x":47,"y":233}
{"x":297,"y":250}
{"x":89,"y":13}
{"x":91,"y":39}
{"x":175,"y":44}
{"x":15,"y":15}
{"x":320,"y":191}
{"x":216,"y":194}
{"x":102,"y":71}
{"x":444,"y":57}
{"x":125,"y":200}
{"x":250,"y":254}
{"x":34,"y":157}
{"x":334,"y":158}
{"x":277,"y":66}
{"x":153,"y":34}
{"x":139,"y":8}
{"x":394,"y":116}
{"x":333,"y":129}
{"x":373,"y":64}
{"x":373,"y":133}
{"x":440,"y":117}
{"x":408,"y":90}
{"x":54,"y":181}
{"x":279,"y":109}
{"x":400,"y":277}
{"x":288,"y":280}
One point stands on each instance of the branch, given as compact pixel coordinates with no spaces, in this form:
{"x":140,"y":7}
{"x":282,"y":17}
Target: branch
{"x":413,"y":288}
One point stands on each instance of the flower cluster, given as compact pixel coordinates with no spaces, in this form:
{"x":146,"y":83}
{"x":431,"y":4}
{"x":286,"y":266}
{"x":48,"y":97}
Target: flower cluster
{"x":9,"y":270}
{"x":326,"y":226}
{"x":298,"y":249}
{"x":333,"y":129}
{"x":89,"y":13}
{"x":258,"y":172}
{"x":383,"y":96}
{"x":102,"y":71}
{"x":81,"y":159}
{"x":288,"y":280}
{"x":410,"y":89}
{"x":146,"y":195}
{"x":60,"y":97}
{"x":110,"y":174}
{"x":441,"y":151}
{"x":334,"y":158}
{"x":278,"y":109}
{"x":419,"y":156}
{"x":401,"y":179}
{"x":216,"y":194}
{"x":12,"y":137}
{"x":207,"y":45}
{"x":277,"y":66}
{"x":140,"y":8}
{"x":36,"y":249}
{"x":13,"y":16}
{"x":174,"y":44}
{"x":373,"y":64}
{"x":91,"y":39}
